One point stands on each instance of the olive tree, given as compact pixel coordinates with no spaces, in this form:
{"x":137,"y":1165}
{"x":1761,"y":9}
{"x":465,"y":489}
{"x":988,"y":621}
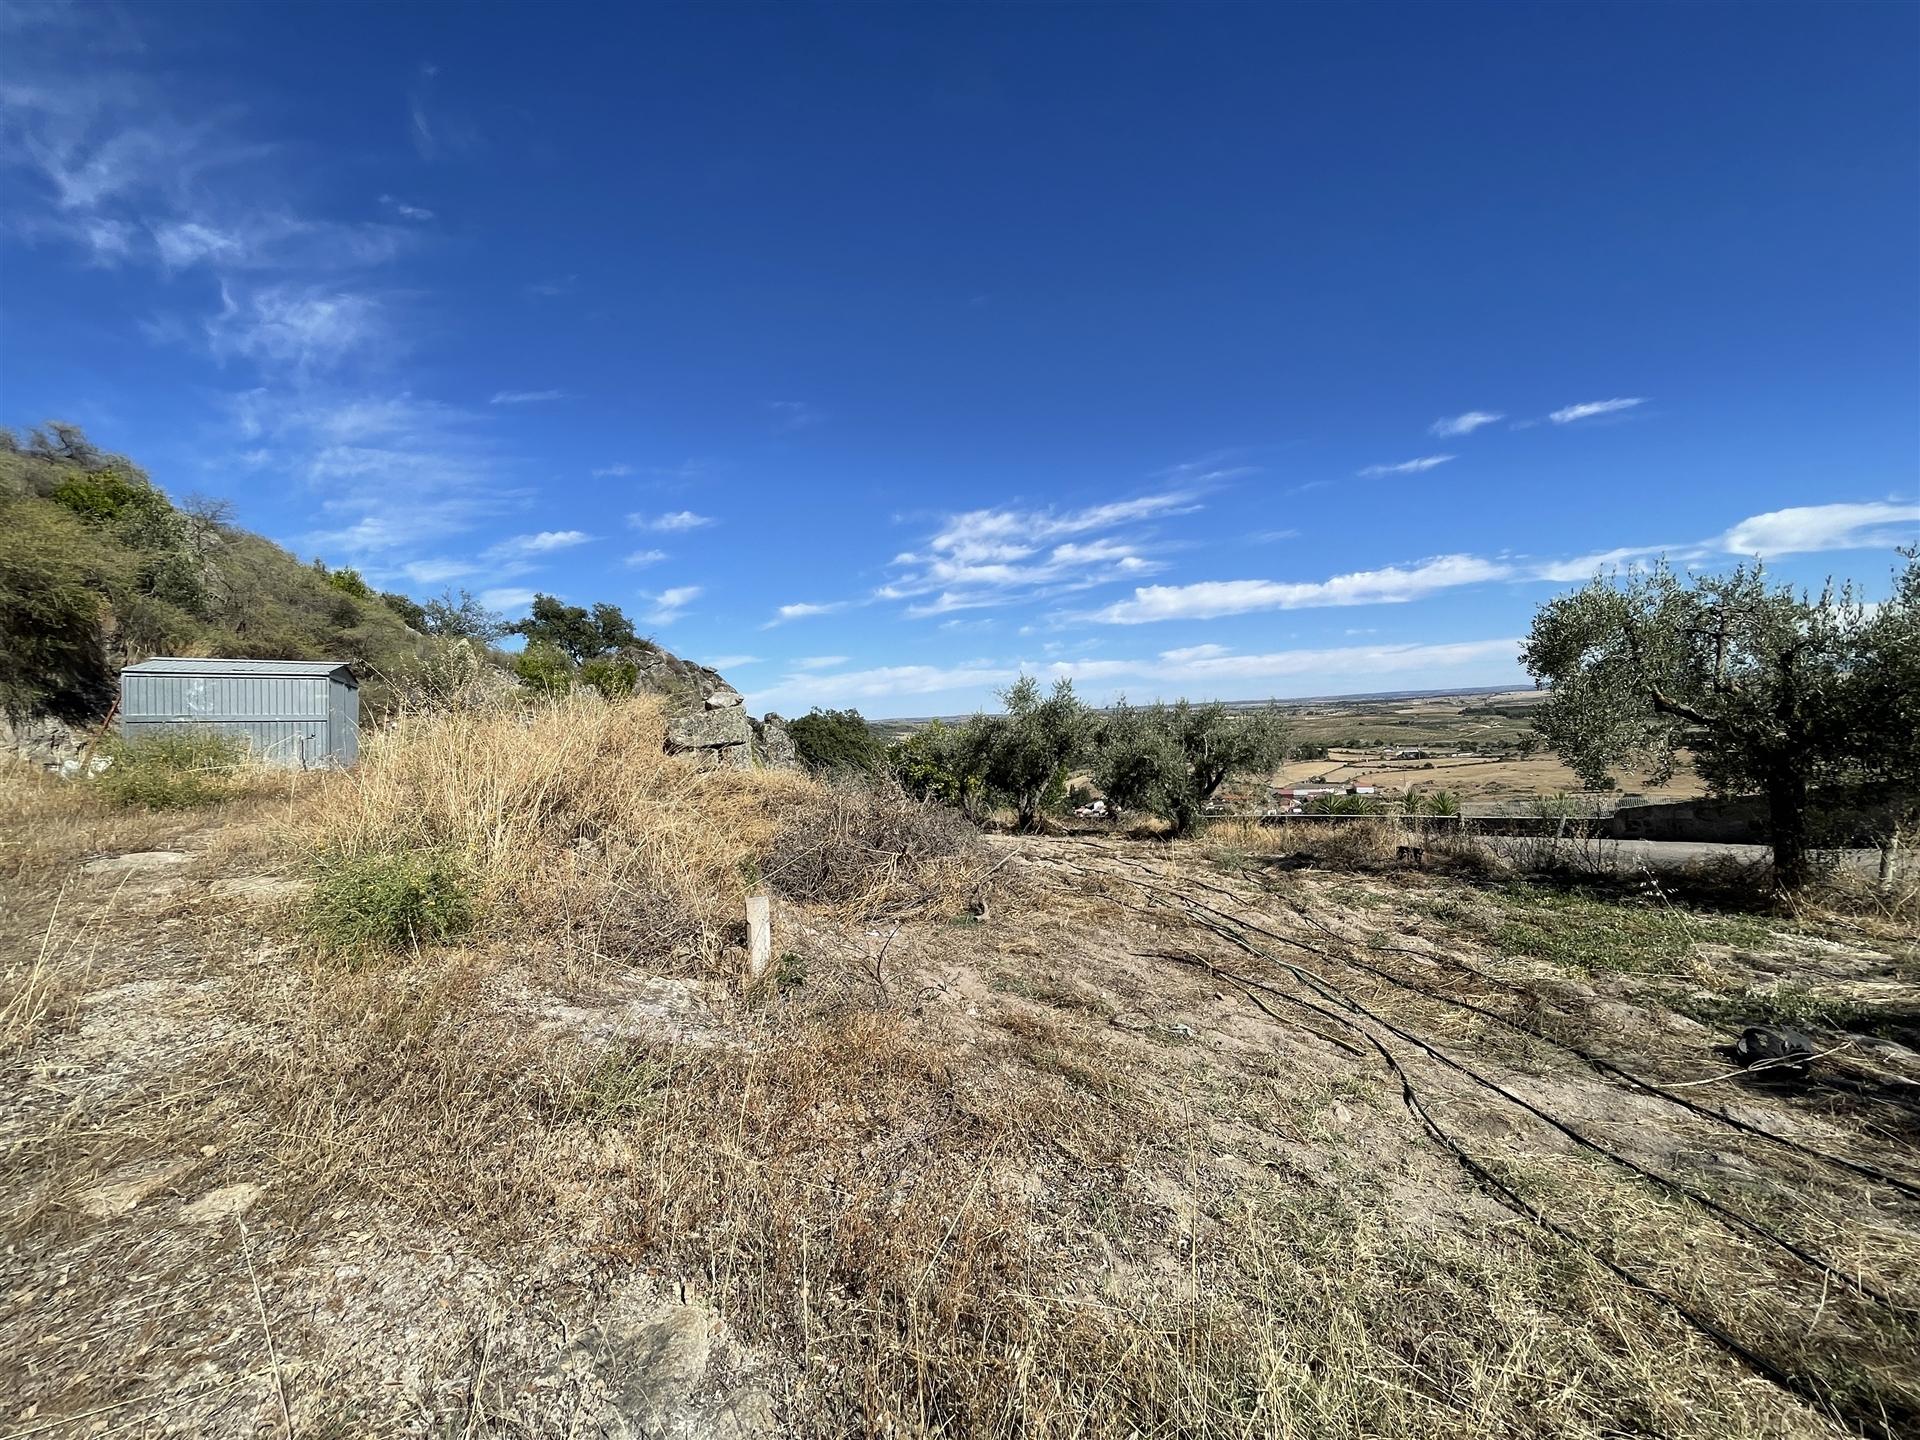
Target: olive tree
{"x":1170,"y":760}
{"x":1771,"y":691}
{"x":1030,"y":748}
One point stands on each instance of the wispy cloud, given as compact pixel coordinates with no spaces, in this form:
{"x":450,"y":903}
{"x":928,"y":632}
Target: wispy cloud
{"x":641,"y":558}
{"x":733,"y":662}
{"x":307,"y":328}
{"x":506,"y":598}
{"x":1405,"y":467}
{"x":1464,"y":424}
{"x":554,"y":288}
{"x":104,"y":161}
{"x":1211,"y":599}
{"x":1586,"y":410}
{"x":1208,"y":471}
{"x":526,"y":397}
{"x":1807,"y":529}
{"x":606,"y":472}
{"x":419,"y":214}
{"x":669,"y":605}
{"x":393,"y":473}
{"x":804,"y":610}
{"x":818,"y":662}
{"x":671,"y":522}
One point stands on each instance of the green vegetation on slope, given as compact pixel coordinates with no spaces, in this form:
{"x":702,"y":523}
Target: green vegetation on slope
{"x":98,"y":569}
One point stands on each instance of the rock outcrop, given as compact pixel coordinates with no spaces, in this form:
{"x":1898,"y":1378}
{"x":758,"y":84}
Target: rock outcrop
{"x":707,"y":717}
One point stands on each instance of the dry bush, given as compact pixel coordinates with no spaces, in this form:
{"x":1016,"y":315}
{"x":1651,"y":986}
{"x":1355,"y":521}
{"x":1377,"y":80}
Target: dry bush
{"x":572,"y":823}
{"x":868,"y":848}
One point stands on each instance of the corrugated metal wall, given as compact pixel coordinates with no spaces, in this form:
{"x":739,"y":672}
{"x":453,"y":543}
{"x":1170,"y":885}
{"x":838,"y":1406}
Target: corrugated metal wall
{"x":284,"y":719}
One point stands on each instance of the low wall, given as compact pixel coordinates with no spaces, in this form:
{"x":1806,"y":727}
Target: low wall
{"x":1839,"y":820}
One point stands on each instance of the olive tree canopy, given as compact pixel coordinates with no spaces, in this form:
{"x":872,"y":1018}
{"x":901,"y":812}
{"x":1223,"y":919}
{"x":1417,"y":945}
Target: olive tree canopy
{"x":1169,"y":760}
{"x":1771,"y":691}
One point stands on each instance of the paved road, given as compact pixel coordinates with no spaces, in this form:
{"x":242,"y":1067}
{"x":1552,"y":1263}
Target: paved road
{"x":1664,"y":854}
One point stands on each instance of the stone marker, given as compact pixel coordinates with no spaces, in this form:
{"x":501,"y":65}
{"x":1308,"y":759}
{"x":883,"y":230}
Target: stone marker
{"x":759,"y":936}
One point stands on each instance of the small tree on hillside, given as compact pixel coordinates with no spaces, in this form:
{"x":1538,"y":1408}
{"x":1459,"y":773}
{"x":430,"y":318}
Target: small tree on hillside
{"x":1170,"y":760}
{"x":461,"y":617}
{"x":1771,"y":691}
{"x":580,"y":633}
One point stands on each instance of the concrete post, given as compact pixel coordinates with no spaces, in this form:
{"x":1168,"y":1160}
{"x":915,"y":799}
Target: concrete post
{"x":759,"y":936}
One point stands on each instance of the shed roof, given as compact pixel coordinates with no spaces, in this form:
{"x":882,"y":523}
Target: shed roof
{"x":190,"y":665}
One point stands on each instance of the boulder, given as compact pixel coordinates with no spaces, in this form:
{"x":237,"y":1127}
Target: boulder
{"x":716,"y":737}
{"x":725,"y":698}
{"x":773,"y":747}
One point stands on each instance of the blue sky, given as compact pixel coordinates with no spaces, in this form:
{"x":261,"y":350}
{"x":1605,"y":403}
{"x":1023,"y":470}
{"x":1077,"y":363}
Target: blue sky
{"x":875,"y":353}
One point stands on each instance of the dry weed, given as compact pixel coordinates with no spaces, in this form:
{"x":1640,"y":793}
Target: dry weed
{"x":575,"y":825}
{"x":868,"y":849}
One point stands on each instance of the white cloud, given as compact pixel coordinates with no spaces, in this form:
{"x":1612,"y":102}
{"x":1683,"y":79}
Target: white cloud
{"x":1464,"y":424}
{"x":818,"y":662}
{"x":526,"y":397}
{"x":1810,"y":528}
{"x":540,"y":543}
{"x":1197,"y":672}
{"x":1003,"y":556}
{"x":1585,"y":567}
{"x":1405,"y":467}
{"x":676,"y":520}
{"x":1590,"y":408}
{"x":1210,"y":599}
{"x":732,"y":662}
{"x":506,"y":598}
{"x":804,"y":610}
{"x":640,"y":558}
{"x":608,"y":471}
{"x":670,"y":605}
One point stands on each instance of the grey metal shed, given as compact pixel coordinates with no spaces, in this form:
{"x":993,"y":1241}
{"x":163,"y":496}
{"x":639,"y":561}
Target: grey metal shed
{"x":303,"y":713}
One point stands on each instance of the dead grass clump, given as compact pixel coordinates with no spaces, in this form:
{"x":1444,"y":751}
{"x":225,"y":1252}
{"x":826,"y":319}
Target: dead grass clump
{"x":572,"y":823}
{"x":867,"y":847}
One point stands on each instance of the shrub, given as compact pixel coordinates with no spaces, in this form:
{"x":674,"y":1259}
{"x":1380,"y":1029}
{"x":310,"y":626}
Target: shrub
{"x":829,"y":740}
{"x":386,"y":901}
{"x":613,"y":677}
{"x":868,"y":846}
{"x":544,"y":669}
{"x":171,"y":771}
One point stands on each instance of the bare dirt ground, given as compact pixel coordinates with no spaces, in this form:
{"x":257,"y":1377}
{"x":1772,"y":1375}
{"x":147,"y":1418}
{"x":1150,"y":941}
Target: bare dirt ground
{"x":1173,"y":1140}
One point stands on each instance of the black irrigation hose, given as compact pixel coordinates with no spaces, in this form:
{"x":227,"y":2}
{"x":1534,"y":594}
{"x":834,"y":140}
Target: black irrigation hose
{"x":1598,"y":1062}
{"x":1731,"y":1218}
{"x":1802,"y":1389}
{"x":1605,"y":1066}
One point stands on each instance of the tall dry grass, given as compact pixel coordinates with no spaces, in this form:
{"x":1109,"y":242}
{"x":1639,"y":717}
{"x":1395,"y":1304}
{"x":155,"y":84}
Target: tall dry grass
{"x":572,"y":824}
